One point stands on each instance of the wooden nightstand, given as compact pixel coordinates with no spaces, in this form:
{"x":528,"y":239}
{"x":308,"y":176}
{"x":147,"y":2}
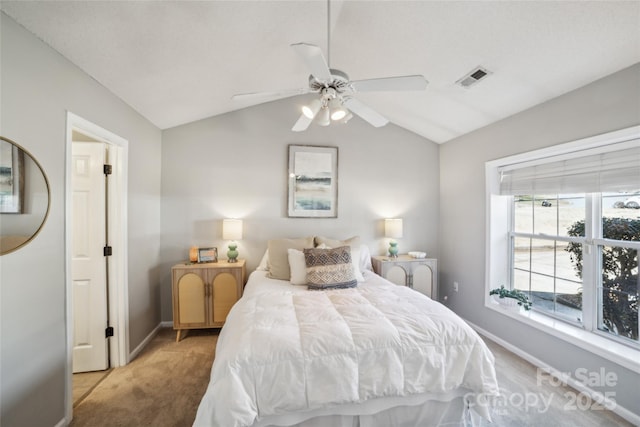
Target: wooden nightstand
{"x":203,"y":294}
{"x":420,"y":274}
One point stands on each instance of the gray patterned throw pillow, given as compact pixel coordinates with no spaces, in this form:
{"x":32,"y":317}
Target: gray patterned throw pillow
{"x":329,"y":268}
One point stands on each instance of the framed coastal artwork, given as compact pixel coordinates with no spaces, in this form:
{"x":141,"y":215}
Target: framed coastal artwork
{"x":313,"y":181}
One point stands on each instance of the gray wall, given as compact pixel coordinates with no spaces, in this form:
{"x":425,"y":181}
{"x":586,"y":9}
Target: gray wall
{"x":235,"y":165}
{"x":608,"y":104}
{"x":38,"y":87}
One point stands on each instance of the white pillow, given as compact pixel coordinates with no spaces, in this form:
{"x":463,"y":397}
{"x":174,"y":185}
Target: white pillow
{"x":297,"y":267}
{"x":355,"y":260}
{"x":365,"y":258}
{"x":264,"y":266}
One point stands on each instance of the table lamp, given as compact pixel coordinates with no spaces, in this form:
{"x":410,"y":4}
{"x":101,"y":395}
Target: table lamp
{"x":393,"y":230}
{"x":232,"y":230}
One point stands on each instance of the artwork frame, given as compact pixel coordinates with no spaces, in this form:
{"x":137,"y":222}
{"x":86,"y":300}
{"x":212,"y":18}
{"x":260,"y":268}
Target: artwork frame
{"x":312,"y":181}
{"x":206,"y":255}
{"x":11,"y":178}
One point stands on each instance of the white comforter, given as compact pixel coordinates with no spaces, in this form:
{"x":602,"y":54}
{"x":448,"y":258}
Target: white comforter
{"x":285,"y":349}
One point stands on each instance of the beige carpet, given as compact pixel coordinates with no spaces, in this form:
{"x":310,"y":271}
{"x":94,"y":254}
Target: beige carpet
{"x":161,"y":387}
{"x":85,"y":382}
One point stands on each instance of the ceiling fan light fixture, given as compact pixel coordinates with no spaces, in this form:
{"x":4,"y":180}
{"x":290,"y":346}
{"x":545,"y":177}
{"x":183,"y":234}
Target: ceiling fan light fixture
{"x":337,"y":110}
{"x":338,"y":114}
{"x":323,"y":117}
{"x":311,"y":110}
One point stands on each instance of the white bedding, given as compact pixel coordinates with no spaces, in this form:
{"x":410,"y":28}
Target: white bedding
{"x":287,"y":354}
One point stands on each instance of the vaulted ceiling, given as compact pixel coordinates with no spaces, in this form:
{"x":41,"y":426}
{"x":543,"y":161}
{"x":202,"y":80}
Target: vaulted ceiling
{"x":180,"y":61}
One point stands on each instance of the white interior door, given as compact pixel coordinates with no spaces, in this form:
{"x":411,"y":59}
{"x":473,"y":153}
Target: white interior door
{"x":88,"y":265}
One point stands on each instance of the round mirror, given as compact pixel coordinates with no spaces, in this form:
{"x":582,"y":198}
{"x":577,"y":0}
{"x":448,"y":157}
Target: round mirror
{"x":24,"y":196}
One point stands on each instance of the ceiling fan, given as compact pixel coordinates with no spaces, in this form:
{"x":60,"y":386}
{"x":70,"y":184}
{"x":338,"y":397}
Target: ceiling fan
{"x":336,"y":101}
{"x":336,"y":91}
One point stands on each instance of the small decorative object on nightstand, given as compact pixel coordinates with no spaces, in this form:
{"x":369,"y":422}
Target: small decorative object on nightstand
{"x":232,"y":230}
{"x":393,"y":229}
{"x":203,"y":294}
{"x":420,"y":274}
{"x":193,"y":254}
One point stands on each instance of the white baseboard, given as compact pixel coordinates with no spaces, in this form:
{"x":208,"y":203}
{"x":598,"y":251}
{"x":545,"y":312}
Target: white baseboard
{"x":167,"y":324}
{"x":62,"y":423}
{"x":596,"y":396}
{"x":144,"y":342}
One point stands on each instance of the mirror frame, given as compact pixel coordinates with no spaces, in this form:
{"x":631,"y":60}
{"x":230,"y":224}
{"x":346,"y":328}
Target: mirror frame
{"x":46,"y":181}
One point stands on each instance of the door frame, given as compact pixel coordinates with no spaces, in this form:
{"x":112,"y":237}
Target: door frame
{"x":118,"y":294}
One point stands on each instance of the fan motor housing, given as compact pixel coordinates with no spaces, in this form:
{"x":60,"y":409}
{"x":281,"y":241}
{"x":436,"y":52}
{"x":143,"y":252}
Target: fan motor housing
{"x":339,"y":82}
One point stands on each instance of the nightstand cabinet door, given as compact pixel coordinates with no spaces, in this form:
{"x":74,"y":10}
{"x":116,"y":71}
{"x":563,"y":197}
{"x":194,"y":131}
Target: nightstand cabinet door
{"x":191,"y":299}
{"x":225,"y":294}
{"x":396,"y":274}
{"x":423,"y":279}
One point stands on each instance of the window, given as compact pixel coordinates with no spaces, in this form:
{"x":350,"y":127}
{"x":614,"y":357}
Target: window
{"x":542,"y":264}
{"x":564,"y":227}
{"x":554,"y":241}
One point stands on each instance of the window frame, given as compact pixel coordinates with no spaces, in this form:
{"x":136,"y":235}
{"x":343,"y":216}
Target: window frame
{"x":499,"y":256}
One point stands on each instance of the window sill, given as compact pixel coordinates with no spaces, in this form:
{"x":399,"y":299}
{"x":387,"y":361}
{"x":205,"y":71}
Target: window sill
{"x":611,"y":350}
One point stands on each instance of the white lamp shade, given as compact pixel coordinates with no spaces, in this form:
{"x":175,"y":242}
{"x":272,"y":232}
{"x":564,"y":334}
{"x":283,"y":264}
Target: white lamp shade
{"x":323,"y":117}
{"x":312,"y":109}
{"x":338,"y":112}
{"x":393,"y":228}
{"x":232,"y":229}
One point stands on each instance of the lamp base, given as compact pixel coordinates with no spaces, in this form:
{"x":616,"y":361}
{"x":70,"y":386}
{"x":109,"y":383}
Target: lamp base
{"x":393,"y":249}
{"x":232,"y":254}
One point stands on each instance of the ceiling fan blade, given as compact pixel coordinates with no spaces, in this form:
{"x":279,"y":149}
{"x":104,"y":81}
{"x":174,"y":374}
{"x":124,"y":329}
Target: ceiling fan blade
{"x":302,"y":124}
{"x":314,"y":58}
{"x":269,"y":96}
{"x":365,"y":112}
{"x":415,"y":82}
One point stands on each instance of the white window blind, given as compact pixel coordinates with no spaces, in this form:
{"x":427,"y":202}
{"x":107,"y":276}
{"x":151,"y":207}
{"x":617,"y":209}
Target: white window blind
{"x":605,"y":169}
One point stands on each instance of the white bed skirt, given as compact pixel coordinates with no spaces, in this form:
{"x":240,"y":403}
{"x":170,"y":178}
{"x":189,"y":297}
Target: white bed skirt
{"x":441,"y":411}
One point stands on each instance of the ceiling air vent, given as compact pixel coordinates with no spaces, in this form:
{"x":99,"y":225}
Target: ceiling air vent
{"x":473,"y":77}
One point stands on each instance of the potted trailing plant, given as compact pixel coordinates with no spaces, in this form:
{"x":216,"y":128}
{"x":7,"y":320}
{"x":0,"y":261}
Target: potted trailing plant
{"x":510,"y":297}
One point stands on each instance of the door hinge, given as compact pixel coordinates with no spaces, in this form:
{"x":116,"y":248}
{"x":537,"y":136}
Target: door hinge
{"x":108,"y":332}
{"x":108,"y":170}
{"x":108,"y":251}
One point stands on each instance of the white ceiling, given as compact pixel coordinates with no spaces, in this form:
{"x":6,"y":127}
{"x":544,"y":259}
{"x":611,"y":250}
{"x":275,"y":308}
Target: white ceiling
{"x":180,"y":61}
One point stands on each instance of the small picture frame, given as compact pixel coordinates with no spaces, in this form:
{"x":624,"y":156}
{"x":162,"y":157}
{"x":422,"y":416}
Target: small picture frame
{"x":207,"y":255}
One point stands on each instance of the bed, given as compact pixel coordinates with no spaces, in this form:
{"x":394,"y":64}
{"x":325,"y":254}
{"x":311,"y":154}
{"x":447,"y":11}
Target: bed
{"x":371,"y":355}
